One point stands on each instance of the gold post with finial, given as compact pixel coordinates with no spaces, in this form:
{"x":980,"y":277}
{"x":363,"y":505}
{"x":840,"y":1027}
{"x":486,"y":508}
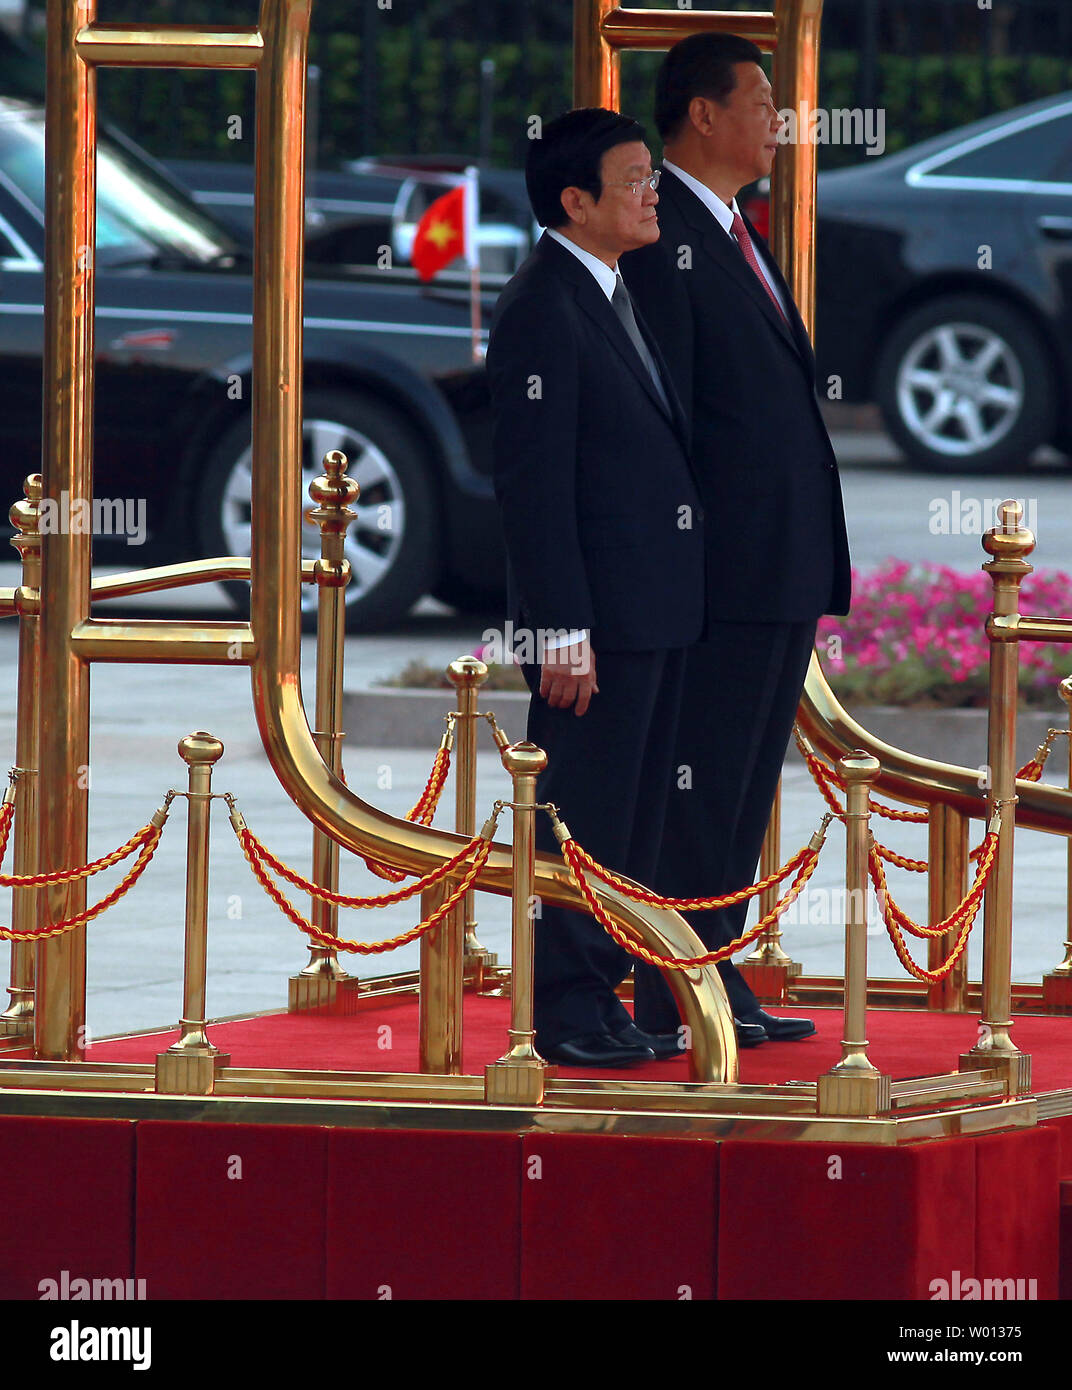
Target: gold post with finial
{"x":467,"y":674}
{"x":854,"y":1085}
{"x":190,"y":1064}
{"x":323,"y":984}
{"x":1008,"y":543}
{"x":17,"y":1020}
{"x":1057,"y":983}
{"x":518,"y":1077}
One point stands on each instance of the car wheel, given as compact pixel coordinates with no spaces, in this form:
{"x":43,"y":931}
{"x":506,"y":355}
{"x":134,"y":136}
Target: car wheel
{"x":392,"y":546}
{"x":963,"y":385}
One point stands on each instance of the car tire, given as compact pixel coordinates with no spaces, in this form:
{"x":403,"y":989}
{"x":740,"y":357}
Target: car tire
{"x":964,"y":386}
{"x":393,"y":546}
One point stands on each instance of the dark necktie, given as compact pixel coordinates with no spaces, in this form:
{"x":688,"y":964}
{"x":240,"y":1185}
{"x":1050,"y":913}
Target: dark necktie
{"x":623,"y":307}
{"x":748,"y":251}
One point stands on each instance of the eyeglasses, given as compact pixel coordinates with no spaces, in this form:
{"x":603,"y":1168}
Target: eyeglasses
{"x":635,"y":186}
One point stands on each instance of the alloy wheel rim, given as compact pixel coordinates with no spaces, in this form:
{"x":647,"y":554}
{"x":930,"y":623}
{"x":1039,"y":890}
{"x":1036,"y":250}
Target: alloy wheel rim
{"x":960,"y":389}
{"x":372,"y":541}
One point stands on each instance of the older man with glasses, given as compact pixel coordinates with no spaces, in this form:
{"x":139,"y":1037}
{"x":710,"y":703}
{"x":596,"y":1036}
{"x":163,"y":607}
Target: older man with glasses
{"x":604,"y":535}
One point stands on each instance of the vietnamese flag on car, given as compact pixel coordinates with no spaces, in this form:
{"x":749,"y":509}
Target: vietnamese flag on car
{"x":440,"y":236}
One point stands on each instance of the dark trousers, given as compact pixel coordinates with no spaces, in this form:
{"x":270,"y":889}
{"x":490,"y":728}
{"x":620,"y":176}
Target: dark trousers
{"x":742,"y":688}
{"x":609,"y":772}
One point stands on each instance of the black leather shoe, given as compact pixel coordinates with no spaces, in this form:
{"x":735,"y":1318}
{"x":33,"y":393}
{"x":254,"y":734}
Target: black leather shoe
{"x":664,"y":1045}
{"x":749,"y":1034}
{"x":781,"y":1029}
{"x":596,"y":1050}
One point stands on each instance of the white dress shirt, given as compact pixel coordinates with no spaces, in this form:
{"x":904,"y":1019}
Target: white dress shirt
{"x":605,"y":275}
{"x":724,"y":216}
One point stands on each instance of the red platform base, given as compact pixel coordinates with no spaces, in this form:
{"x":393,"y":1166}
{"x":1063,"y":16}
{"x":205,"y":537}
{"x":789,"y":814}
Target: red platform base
{"x":226,"y":1211}
{"x":204,"y":1210}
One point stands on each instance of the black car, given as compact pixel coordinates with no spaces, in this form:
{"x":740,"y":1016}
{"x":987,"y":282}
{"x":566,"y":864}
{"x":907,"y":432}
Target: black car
{"x":944,"y":289}
{"x":389,"y":379}
{"x":944,"y":274}
{"x":353,"y":212}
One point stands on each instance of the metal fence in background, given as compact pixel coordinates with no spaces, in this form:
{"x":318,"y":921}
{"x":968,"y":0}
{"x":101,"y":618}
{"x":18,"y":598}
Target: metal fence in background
{"x":463,"y":76}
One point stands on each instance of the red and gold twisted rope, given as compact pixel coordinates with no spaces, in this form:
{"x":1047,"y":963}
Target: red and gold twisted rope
{"x":917,"y":866}
{"x":342,"y":900}
{"x":645,"y":895}
{"x":423,"y":813}
{"x":7,"y":817}
{"x":62,"y":875}
{"x":822,"y":772}
{"x":572,"y":853}
{"x":149,"y":838}
{"x":360,"y":947}
{"x":932,"y":976}
{"x":970,"y":903}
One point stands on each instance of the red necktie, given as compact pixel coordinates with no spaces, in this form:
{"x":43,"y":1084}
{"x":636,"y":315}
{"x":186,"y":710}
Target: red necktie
{"x":744,"y":241}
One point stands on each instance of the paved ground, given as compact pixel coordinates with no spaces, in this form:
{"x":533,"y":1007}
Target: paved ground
{"x":139,"y":713}
{"x":894,"y":511}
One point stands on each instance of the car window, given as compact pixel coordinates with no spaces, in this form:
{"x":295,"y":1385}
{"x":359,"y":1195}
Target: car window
{"x":1041,"y":152}
{"x":7,"y":248}
{"x":138,"y":217}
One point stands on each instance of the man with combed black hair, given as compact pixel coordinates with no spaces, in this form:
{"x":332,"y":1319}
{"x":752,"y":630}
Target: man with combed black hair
{"x":604,"y":536}
{"x":777,"y":551}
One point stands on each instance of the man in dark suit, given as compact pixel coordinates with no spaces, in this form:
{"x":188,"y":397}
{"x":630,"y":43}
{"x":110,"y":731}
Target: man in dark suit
{"x":604,"y":535}
{"x":777,"y":555}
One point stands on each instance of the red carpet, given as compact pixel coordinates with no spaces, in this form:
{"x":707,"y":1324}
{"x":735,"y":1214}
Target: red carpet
{"x":903,"y":1043}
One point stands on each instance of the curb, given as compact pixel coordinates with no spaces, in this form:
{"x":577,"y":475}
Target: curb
{"x":957,"y":735}
{"x":385,"y":718}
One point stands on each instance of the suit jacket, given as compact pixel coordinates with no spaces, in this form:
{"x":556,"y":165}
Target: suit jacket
{"x":777,"y":548}
{"x":601,"y":513}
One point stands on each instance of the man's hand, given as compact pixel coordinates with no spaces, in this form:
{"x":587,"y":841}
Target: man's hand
{"x":568,"y":677}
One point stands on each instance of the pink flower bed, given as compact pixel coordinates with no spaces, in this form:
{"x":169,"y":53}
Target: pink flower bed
{"x":916,"y":636}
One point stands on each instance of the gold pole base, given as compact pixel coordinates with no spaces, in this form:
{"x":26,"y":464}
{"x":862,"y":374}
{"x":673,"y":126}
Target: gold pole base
{"x":1057,"y":993}
{"x":769,"y":980}
{"x":476,"y":964}
{"x":17,"y":1021}
{"x":189,"y":1073}
{"x":854,"y":1092}
{"x":322,"y":994}
{"x":1014,"y":1066}
{"x":517,"y":1083}
{"x":324,"y":964}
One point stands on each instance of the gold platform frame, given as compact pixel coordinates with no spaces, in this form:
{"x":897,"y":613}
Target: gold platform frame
{"x":58,"y":1080}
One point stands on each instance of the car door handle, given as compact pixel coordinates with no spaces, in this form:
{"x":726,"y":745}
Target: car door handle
{"x":1056,"y":228}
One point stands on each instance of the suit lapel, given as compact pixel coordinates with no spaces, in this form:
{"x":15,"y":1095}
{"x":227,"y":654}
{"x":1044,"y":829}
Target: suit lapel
{"x":726,"y":255}
{"x":796,"y":323}
{"x":598,"y":307}
{"x":678,"y":410}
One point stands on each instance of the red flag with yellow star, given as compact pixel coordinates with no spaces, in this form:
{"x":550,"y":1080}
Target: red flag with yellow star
{"x":440,"y":234}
